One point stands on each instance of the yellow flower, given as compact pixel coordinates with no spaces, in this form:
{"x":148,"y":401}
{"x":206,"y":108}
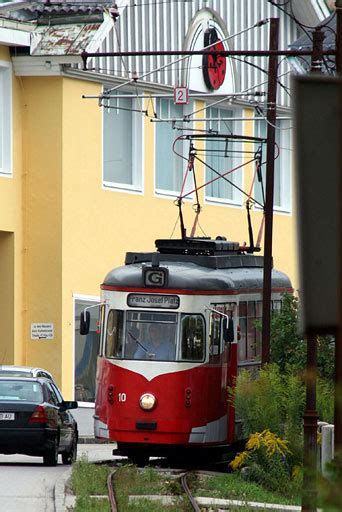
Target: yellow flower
{"x":254,"y":441}
{"x":268,"y":440}
{"x":239,"y":460}
{"x":296,"y":471}
{"x":265,"y":439}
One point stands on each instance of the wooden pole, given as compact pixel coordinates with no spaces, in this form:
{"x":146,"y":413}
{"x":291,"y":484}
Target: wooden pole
{"x":270,"y":154}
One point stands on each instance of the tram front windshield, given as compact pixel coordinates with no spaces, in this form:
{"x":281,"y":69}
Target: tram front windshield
{"x":149,"y":335}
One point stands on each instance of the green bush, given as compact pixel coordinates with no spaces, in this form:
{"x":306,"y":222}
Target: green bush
{"x":325,"y":400}
{"x":274,"y":398}
{"x":267,"y":461}
{"x":271,"y":400}
{"x":287,"y":349}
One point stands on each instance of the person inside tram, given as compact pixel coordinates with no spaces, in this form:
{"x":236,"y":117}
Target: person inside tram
{"x":157,"y":346}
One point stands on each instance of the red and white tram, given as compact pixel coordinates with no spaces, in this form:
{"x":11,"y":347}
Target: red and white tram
{"x":174,"y":325}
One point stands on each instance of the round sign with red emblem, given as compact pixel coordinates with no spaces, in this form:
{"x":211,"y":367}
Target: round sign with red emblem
{"x":214,"y":66}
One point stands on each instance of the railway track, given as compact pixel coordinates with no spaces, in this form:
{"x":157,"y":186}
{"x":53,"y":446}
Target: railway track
{"x":181,"y":474}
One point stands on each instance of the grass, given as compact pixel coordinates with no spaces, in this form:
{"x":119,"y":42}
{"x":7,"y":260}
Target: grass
{"x":91,"y":479}
{"x":232,"y":486}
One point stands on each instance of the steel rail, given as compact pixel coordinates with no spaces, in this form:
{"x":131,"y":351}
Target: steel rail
{"x":179,"y":473}
{"x":192,"y":500}
{"x":111,"y":494}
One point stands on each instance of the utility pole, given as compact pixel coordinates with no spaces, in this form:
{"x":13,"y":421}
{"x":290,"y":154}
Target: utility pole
{"x":309,"y":497}
{"x":270,"y":154}
{"x":338,"y":344}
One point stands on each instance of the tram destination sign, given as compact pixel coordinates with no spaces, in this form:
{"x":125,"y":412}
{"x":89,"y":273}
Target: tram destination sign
{"x":144,"y":300}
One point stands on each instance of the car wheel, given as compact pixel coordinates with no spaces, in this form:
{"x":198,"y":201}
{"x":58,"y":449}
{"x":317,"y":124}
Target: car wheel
{"x":70,"y":456}
{"x":50,"y":457}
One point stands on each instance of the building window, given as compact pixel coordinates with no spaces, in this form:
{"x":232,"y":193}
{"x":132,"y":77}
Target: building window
{"x":170,"y":167}
{"x":86,"y":349}
{"x":222,"y":155}
{"x":282,"y":164}
{"x":122,"y":145}
{"x":5,"y":119}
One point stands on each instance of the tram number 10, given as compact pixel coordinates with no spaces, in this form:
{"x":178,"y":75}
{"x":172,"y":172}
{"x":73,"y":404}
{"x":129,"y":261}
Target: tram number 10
{"x":122,"y":397}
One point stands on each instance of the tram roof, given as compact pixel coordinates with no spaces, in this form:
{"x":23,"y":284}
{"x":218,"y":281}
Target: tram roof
{"x":209,"y":270}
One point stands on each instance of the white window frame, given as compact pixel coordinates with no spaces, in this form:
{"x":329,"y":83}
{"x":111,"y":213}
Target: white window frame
{"x":238,"y":198}
{"x":159,"y":192}
{"x":286,"y":165}
{"x":137,"y":186}
{"x":93,"y":299}
{"x":6,"y":121}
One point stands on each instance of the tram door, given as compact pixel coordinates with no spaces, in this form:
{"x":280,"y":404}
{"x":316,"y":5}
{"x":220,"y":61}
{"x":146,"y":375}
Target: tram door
{"x":216,"y":367}
{"x":222,"y":362}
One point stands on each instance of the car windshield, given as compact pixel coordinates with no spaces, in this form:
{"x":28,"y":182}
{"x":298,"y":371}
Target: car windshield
{"x":15,"y":373}
{"x":23,"y":390}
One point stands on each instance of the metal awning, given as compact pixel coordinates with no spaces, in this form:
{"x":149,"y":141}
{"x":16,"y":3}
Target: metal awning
{"x":304,"y":42}
{"x":328,"y":27}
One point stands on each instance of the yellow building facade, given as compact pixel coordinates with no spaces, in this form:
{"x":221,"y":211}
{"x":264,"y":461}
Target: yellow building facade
{"x":62,"y":228}
{"x":69,"y":231}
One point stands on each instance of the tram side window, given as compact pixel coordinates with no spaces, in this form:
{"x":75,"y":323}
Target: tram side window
{"x":215,"y":334}
{"x":250,"y":336}
{"x":276,"y":306}
{"x":114,"y":334}
{"x":192,"y":338}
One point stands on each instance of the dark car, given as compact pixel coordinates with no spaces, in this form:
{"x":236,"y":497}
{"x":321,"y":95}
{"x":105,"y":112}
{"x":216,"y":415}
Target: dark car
{"x":35,"y":420}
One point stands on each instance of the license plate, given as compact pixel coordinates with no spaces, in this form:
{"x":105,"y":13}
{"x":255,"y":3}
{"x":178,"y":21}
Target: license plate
{"x":6,"y":416}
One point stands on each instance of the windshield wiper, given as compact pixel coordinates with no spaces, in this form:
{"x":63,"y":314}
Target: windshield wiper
{"x":138,"y":342}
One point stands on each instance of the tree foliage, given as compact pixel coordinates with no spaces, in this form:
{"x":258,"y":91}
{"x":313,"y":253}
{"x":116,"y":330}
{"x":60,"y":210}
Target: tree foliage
{"x":288,"y":348}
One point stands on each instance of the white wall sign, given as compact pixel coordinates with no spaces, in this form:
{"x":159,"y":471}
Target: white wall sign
{"x":181,"y":95}
{"x":42,"y":332}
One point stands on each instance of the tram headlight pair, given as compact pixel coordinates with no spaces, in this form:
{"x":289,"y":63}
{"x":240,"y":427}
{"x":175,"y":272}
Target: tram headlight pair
{"x":147,"y":401}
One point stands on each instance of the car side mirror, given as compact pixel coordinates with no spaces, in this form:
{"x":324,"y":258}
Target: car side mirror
{"x":84,"y":322}
{"x":63,"y":406}
{"x":228,"y":330}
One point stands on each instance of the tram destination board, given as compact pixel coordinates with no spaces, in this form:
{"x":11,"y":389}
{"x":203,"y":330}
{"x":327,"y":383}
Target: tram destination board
{"x":144,"y":300}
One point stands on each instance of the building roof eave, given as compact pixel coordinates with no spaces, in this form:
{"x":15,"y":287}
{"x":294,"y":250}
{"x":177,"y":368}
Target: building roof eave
{"x":42,"y":65}
{"x":310,"y":12}
{"x":14,"y":37}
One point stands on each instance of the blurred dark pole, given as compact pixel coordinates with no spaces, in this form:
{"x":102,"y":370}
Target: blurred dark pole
{"x":309,"y":497}
{"x":338,"y":345}
{"x":270,"y":155}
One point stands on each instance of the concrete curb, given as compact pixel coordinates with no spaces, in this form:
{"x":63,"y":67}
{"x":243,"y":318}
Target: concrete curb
{"x":216,"y":502}
{"x":90,"y":440}
{"x":62,"y":499}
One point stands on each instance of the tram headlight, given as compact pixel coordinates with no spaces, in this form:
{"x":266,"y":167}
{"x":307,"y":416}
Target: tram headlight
{"x":147,"y":401}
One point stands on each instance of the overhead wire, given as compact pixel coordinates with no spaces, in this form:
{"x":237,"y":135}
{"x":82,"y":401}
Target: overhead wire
{"x":223,"y":176}
{"x":304,"y":27}
{"x":188,"y":116}
{"x":160,"y":68}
